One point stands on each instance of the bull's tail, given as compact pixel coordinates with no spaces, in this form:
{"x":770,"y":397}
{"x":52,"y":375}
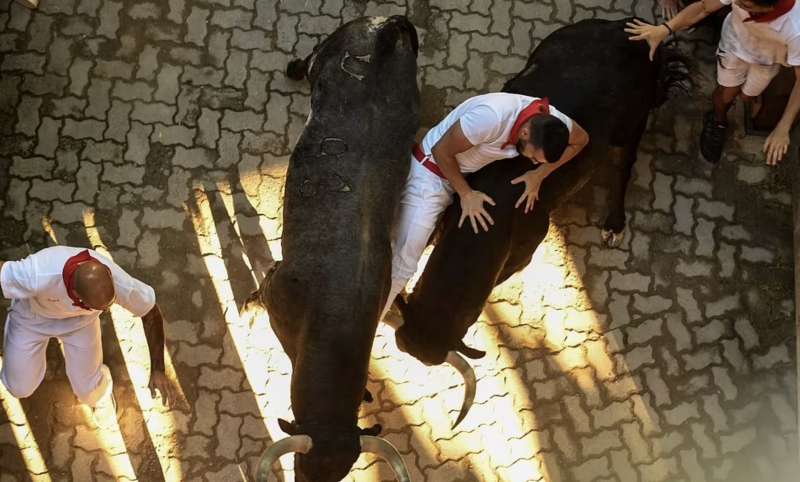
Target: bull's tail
{"x":675,"y":71}
{"x":256,"y":298}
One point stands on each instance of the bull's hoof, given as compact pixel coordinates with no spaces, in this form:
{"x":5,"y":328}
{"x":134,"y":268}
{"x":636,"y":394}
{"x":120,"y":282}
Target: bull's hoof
{"x":612,"y":239}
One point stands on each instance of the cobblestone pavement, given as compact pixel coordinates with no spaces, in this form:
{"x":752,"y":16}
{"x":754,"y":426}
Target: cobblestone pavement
{"x":161,"y":131}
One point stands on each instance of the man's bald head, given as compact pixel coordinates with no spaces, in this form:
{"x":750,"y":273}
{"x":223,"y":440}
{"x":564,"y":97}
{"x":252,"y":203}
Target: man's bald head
{"x":94,"y":285}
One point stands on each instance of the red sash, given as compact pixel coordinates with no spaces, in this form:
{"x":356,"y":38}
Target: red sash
{"x":781,"y":8}
{"x":537,"y":107}
{"x":69,"y":276}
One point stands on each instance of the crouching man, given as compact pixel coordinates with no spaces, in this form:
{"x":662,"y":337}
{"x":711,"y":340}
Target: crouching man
{"x":60,"y":293}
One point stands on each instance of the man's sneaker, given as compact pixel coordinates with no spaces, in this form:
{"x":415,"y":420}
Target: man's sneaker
{"x":32,"y":4}
{"x":712,"y":138}
{"x":105,"y":412}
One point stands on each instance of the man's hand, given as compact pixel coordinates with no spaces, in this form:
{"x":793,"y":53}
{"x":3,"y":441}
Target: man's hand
{"x":159,"y":382}
{"x":776,"y":145}
{"x":669,"y":8}
{"x":533,"y":181}
{"x":652,"y":34}
{"x":472,"y":206}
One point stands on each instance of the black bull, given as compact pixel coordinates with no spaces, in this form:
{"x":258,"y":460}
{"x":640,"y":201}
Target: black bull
{"x":594,"y":74}
{"x":342,"y":190}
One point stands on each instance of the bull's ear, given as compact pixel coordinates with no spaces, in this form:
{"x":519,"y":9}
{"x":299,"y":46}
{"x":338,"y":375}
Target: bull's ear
{"x":387,"y":41}
{"x":289,"y":427}
{"x":375,"y":430}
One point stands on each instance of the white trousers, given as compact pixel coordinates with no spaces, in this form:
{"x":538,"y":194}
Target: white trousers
{"x":24,"y":349}
{"x":424,"y":199}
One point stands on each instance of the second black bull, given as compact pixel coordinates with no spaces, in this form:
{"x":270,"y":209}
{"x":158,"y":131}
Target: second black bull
{"x":594,"y":74}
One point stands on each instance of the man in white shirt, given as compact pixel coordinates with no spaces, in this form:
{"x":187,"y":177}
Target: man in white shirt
{"x":758,"y":36}
{"x":60,"y":293}
{"x":479,"y":131}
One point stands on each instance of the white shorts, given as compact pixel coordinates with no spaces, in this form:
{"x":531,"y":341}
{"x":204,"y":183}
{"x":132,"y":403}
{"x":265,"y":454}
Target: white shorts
{"x":24,"y":362}
{"x":734,"y":72}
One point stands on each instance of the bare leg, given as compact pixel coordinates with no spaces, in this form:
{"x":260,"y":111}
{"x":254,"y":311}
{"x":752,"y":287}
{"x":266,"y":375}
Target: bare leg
{"x":723,"y":98}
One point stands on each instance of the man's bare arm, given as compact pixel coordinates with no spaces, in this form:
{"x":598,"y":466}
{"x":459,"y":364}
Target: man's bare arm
{"x":153,"y":323}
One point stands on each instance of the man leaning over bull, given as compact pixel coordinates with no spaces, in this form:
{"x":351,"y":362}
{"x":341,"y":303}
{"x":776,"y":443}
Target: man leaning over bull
{"x":60,"y":292}
{"x":479,"y":131}
{"x":757,"y":37}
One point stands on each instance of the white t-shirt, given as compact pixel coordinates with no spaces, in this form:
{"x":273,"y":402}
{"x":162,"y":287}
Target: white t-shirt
{"x":487,"y":121}
{"x":763,"y":43}
{"x":38,"y":279}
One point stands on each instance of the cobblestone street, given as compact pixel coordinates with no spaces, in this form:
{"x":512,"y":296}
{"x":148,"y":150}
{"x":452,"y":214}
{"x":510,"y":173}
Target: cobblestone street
{"x":160,"y":133}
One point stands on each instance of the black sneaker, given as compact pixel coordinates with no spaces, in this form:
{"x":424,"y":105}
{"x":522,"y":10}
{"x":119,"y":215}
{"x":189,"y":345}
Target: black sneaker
{"x":712,"y":138}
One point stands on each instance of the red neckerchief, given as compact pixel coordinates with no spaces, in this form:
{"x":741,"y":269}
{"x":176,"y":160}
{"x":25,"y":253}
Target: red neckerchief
{"x":781,"y":8}
{"x":69,"y":276}
{"x":537,"y":107}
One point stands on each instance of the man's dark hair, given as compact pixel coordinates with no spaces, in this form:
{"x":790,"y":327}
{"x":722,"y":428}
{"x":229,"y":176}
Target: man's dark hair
{"x":549,"y":134}
{"x":765,"y":3}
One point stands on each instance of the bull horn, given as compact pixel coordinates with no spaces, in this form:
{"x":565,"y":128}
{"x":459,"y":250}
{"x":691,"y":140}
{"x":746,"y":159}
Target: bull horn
{"x":388,"y":452}
{"x":296,"y":443}
{"x":459,"y":363}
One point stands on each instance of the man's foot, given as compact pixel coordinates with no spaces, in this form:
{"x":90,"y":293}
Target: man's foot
{"x":712,"y":138}
{"x":104,"y":412}
{"x":32,"y":4}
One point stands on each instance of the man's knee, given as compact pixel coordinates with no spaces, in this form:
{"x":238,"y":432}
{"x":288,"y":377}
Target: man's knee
{"x":19,"y":387}
{"x":91,"y":387}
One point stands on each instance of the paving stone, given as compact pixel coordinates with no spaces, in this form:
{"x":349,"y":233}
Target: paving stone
{"x":138,"y":143}
{"x":113,"y":69}
{"x":185,"y":55}
{"x":723,"y":380}
{"x":47,"y":84}
{"x":702,"y":358}
{"x":774,"y":356}
{"x":236,"y":67}
{"x":173,"y":134}
{"x":694,"y":269}
{"x":202,"y":76}
{"x":634,"y":359}
{"x":681,"y":413}
{"x":692,"y":186}
{"x":48,"y":137}
{"x":735,"y":233}
{"x":99,"y":101}
{"x":645,"y":331}
{"x":600,"y":442}
{"x":152,"y":112}
{"x":109,"y":19}
{"x":746,"y":332}
{"x":756,"y":255}
{"x":591,"y":469}
{"x":231,"y":18}
{"x":651,"y":304}
{"x":69,"y":106}
{"x":734,"y":356}
{"x":27,"y":62}
{"x":191,"y":158}
{"x":148,"y":63}
{"x":711,"y":332}
{"x":704,"y":232}
{"x":722,"y":306}
{"x":735,"y":442}
{"x":630,"y":281}
{"x":639,"y":448}
{"x":28,"y":115}
{"x":725,"y":255}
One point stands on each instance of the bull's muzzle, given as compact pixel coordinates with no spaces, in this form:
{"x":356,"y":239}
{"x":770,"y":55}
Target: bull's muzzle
{"x":303,"y":444}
